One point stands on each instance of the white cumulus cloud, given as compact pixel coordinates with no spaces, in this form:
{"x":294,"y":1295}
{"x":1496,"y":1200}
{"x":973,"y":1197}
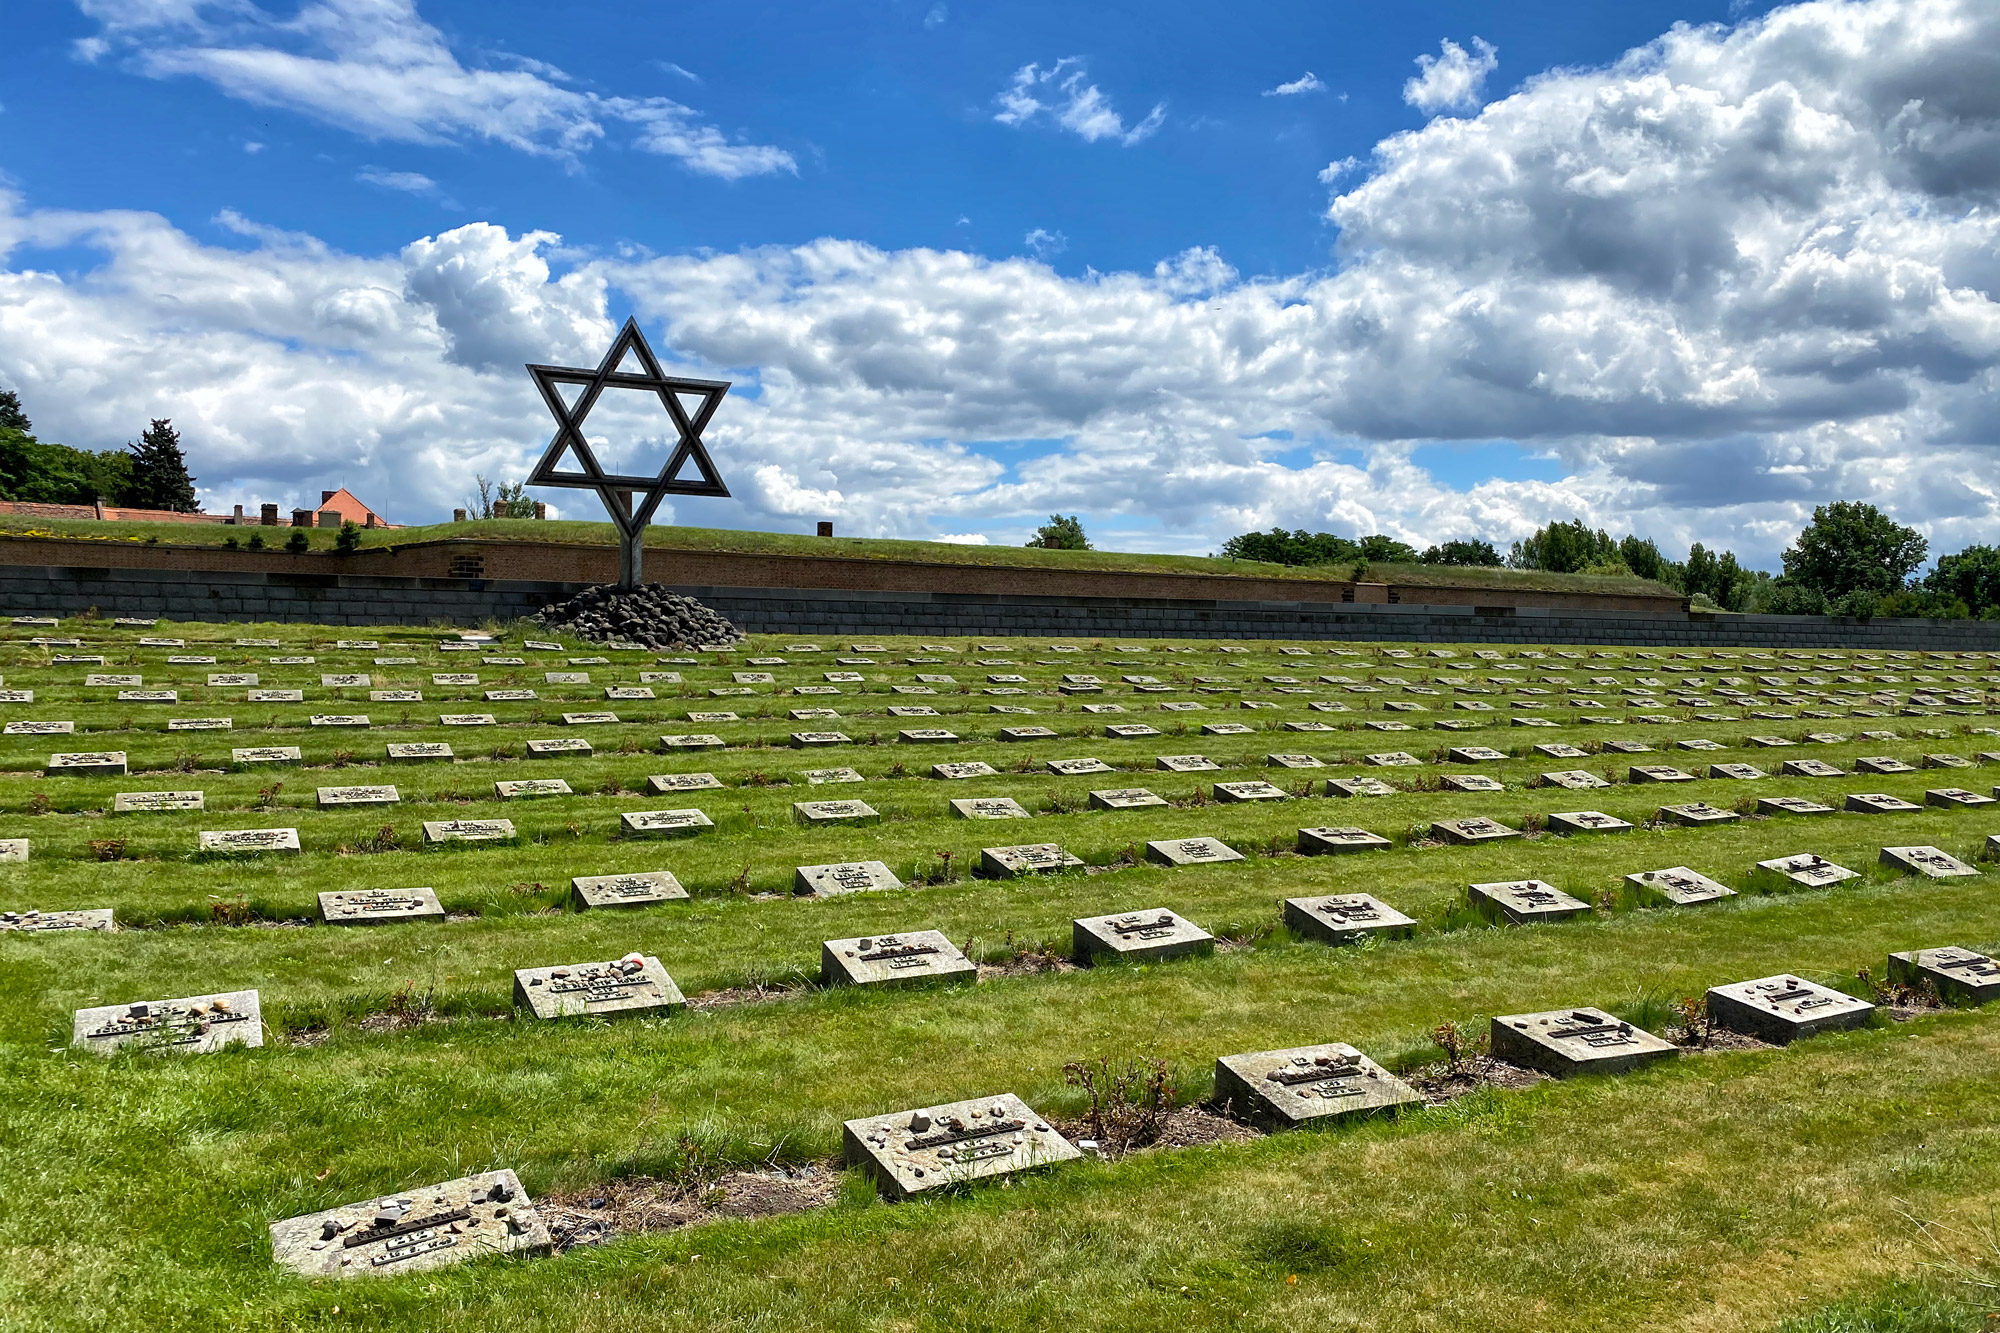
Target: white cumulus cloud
{"x":1305,"y":83}
{"x":1453,"y":80}
{"x":1063,"y":94}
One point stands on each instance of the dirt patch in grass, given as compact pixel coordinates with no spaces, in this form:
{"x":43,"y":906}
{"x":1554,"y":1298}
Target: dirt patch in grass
{"x":734,"y":995}
{"x":1440,"y":1084}
{"x":391,"y":1020}
{"x":1027,"y":965}
{"x":1183,"y":1127}
{"x":598,"y":1213}
{"x":1715,"y":1039}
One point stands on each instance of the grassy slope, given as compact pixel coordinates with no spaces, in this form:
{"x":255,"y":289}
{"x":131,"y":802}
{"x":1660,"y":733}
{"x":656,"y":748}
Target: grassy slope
{"x":784,"y":543}
{"x":1730,"y":1192}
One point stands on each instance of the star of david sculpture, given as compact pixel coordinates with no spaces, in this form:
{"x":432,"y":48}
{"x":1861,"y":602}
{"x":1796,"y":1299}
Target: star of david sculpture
{"x":632,"y":500}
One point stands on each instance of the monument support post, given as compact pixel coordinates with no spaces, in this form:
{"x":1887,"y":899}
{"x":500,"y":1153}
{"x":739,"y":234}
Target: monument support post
{"x":631,"y":547}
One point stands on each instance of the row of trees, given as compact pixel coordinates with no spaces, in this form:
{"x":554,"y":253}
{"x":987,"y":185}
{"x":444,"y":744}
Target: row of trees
{"x":150,"y":473}
{"x":1851,"y":559}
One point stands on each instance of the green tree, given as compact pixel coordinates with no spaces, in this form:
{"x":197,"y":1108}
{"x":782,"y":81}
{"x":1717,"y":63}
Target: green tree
{"x":1462,"y":551}
{"x":160,"y":477}
{"x":1387,"y":550}
{"x":1642,"y":556}
{"x":12,"y":417}
{"x":1299,"y":547}
{"x":1853,"y":548}
{"x":1972,"y":576}
{"x":57,"y":474}
{"x":1565,"y":548}
{"x":507,"y":500}
{"x":1061,"y":534}
{"x":348,"y":539}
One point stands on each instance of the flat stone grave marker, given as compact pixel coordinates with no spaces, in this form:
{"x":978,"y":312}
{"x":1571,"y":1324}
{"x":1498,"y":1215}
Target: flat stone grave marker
{"x":1627,"y":747}
{"x":1678,"y":887}
{"x":276,"y":696}
{"x":1183,"y":706}
{"x":660,"y":784}
{"x":1191,"y":852}
{"x":843,"y":877}
{"x":1472,"y":832}
{"x":13,"y":849}
{"x":249,"y":841}
{"x":1807,"y":868}
{"x":1328,"y":840}
{"x":1810,"y":768}
{"x":1877,"y":803}
{"x":415,"y":751}
{"x":1930,"y":862}
{"x":988,"y":807}
{"x":1130,"y":730}
{"x":361,"y":907}
{"x":1566,"y":1042}
{"x":148,"y":696}
{"x":1342,"y":918}
{"x":663,"y":823}
{"x":1029,"y":859}
{"x":713,"y":717}
{"x":1738,"y":772}
{"x":135,"y":802}
{"x":103,"y":679}
{"x":35,"y":922}
{"x":361,"y":681}
{"x":196,"y":1024}
{"x":1076,"y":767}
{"x":88,"y":763}
{"x":1391,"y":759}
{"x":1879,"y":736}
{"x":1882,"y":764}
{"x":1955,"y":798}
{"x":267,"y":755}
{"x":816,"y":690}
{"x":696,"y":741}
{"x":660,"y":677}
{"x":1587,"y":821}
{"x":1561,"y":750}
{"x":1696,"y":814}
{"x":1790,"y":805}
{"x":200,"y":724}
{"x":803,"y":740}
{"x":1149,"y":936}
{"x":913,"y":710}
{"x":339,"y":719}
{"x":907,"y":1152}
{"x":40,"y":622}
{"x":634,"y":984}
{"x":1014,"y":710}
{"x":514,"y":789}
{"x":395,"y":696}
{"x":1125,"y":798}
{"x":968,"y":769}
{"x":1524,"y":901}
{"x":598,"y":717}
{"x":1243,"y":792}
{"x":543,"y":749}
{"x":467,"y":830}
{"x":814,"y":714}
{"x":1474,"y":754}
{"x":628,"y":693}
{"x":590,"y":661}
{"x":17,"y":696}
{"x":925,"y":736}
{"x":1955,"y":973}
{"x":913,"y":958}
{"x":821,"y":776}
{"x":1358,"y":787}
{"x":1470,"y":782}
{"x":1657,"y":773}
{"x":1185,"y":763}
{"x":1292,"y":761}
{"x":1225,"y":729}
{"x":1826,"y":738}
{"x":1026,"y":734}
{"x":1697,"y":744}
{"x":1945,"y":761}
{"x":819,"y":814}
{"x":39,"y":728}
{"x":566,"y":677}
{"x":335,"y":797}
{"x":638,"y":889}
{"x":1307,"y":1085}
{"x":1784,"y":1008}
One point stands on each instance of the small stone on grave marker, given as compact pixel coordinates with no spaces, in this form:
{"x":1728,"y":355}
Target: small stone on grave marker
{"x":909,"y":1152}
{"x":913,"y":958}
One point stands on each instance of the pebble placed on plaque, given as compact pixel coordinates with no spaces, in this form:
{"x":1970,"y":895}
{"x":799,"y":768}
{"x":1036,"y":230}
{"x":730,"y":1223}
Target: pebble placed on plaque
{"x":1343,"y":918}
{"x":1955,"y":973}
{"x":1031,"y":859}
{"x":88,"y":763}
{"x":515,"y":789}
{"x":1524,"y":902}
{"x":1587,"y":821}
{"x":1237,"y":793}
{"x":196,"y":1024}
{"x":249,"y":842}
{"x":361,"y":907}
{"x":1807,"y":868}
{"x":34,"y":922}
{"x":1473,"y":831}
{"x":819,"y":814}
{"x":634,"y":984}
{"x":267,"y":755}
{"x":907,"y":1152}
{"x":409,"y":752}
{"x":639,"y":889}
{"x":1955,"y":798}
{"x":1783,"y":1009}
{"x":988,"y":807}
{"x":438,"y":831}
{"x":1809,"y":768}
{"x":693,"y":741}
{"x":1930,"y":862}
{"x":1306,"y":1085}
{"x":843,"y":877}
{"x":1191,"y":852}
{"x":1790,"y":805}
{"x":1877,"y":803}
{"x":1150,"y":936}
{"x":1565,"y":1042}
{"x":913,"y":958}
{"x":336,"y":797}
{"x":1678,"y":887}
{"x":139,"y":802}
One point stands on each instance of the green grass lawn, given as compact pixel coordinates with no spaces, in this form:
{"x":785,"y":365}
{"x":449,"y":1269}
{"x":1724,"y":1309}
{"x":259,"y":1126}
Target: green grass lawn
{"x":667,"y":538}
{"x":1760,"y":1189}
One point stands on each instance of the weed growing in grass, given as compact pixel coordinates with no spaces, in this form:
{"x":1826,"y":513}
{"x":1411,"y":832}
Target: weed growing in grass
{"x":1129,"y":1106}
{"x":1691,"y":1026}
{"x":386,"y":839}
{"x":39,"y":803}
{"x":1899,"y":995}
{"x":612,"y":787}
{"x":896,"y":770}
{"x":1450,"y":1038}
{"x":267,"y":796}
{"x":187,"y":761}
{"x":342,"y":758}
{"x":230,"y":911}
{"x":108,"y":849}
{"x":1060,"y":803}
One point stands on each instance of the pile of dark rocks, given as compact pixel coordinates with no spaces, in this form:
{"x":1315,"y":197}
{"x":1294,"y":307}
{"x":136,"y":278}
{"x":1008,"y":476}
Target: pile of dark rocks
{"x":648,"y":616}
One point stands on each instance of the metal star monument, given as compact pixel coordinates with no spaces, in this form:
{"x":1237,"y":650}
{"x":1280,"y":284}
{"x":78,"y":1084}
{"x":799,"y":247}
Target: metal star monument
{"x":632,"y":500}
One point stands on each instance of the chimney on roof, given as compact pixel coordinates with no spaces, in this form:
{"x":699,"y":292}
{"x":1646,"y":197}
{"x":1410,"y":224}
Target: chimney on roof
{"x":239,"y":514}
{"x":268,"y":516}
{"x":324,"y":496}
{"x":302,"y":518}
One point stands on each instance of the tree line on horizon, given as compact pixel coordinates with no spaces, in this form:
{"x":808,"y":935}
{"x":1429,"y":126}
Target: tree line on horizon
{"x":1851,"y":559}
{"x":149,"y":473}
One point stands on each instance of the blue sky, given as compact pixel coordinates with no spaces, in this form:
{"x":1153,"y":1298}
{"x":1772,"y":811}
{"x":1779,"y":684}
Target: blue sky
{"x":1433,"y":269}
